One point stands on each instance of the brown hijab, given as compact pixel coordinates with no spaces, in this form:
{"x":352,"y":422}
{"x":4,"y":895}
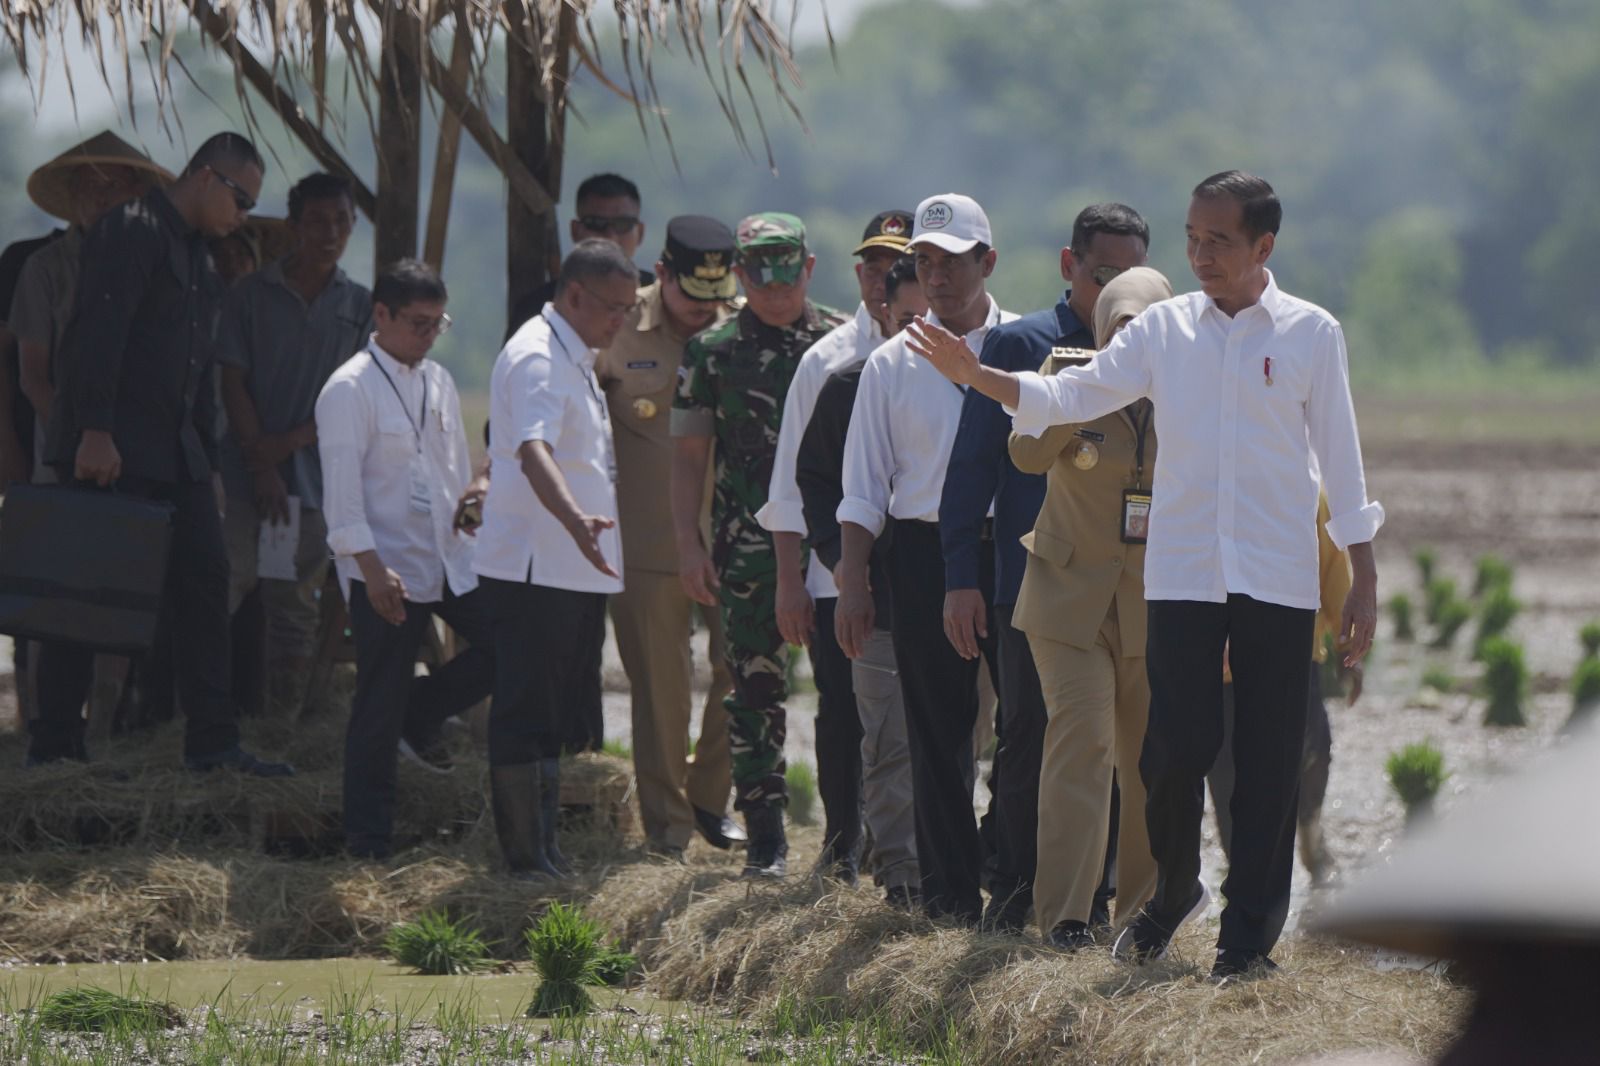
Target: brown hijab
{"x":1128,"y":294}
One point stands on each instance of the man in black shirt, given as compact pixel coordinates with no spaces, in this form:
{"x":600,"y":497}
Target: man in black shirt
{"x":136,"y":408}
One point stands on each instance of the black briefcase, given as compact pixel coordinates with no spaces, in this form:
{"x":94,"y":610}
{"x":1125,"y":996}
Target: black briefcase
{"x":82,"y":566}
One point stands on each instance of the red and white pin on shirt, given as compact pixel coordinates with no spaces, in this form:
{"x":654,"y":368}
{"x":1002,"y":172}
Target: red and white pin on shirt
{"x":1266,"y":369}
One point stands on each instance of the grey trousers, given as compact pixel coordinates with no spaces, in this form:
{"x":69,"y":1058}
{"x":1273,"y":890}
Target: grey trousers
{"x":885,"y":764}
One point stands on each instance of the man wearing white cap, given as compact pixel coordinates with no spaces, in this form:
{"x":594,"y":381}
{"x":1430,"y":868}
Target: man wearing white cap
{"x":904,"y":422}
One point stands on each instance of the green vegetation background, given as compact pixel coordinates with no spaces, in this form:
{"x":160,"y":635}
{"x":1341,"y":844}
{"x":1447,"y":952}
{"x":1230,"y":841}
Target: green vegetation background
{"x":1436,"y":161}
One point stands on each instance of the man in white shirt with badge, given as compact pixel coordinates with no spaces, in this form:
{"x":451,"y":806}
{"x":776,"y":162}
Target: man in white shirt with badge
{"x":549,"y":550}
{"x":904,"y":421}
{"x":806,"y":600}
{"x":1252,"y":400}
{"x":394,"y":461}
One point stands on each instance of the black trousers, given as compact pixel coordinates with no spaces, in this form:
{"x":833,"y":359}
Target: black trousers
{"x":585,"y":728}
{"x":1267,"y":652}
{"x":195,"y":612}
{"x":1017,"y":761}
{"x":838,"y":736}
{"x":391,"y":701}
{"x":941,"y":700}
{"x":545,"y":666}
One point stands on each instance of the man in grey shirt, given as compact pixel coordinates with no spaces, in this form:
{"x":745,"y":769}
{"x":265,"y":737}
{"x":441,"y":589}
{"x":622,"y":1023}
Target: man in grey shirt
{"x":285,"y":330}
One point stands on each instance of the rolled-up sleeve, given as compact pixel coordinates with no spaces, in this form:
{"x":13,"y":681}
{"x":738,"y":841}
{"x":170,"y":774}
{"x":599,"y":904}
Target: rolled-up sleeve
{"x":537,"y":405}
{"x":869,"y":454}
{"x":342,"y":432}
{"x":1336,"y":444}
{"x":1115,"y":378}
{"x":783,"y":511}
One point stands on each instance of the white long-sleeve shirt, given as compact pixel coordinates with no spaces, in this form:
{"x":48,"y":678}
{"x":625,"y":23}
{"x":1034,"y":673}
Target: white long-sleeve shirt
{"x":544,"y":389}
{"x":394,"y":463}
{"x":901,"y":429}
{"x":843,"y":348}
{"x":1235,"y":491}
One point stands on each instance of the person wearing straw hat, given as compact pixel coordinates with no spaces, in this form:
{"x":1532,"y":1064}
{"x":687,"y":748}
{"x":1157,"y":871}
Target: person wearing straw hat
{"x":80,"y":185}
{"x":135,"y":408}
{"x":1081,"y":604}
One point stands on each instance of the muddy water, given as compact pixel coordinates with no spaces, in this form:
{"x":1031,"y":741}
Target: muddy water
{"x":303,"y":991}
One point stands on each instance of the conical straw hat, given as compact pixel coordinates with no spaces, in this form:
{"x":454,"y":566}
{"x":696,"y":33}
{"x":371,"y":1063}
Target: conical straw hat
{"x":1520,"y":863}
{"x":50,"y":186}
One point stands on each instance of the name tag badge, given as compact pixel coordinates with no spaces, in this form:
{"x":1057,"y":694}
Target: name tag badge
{"x":1135,"y":516}
{"x":1090,"y":434}
{"x":646,"y":364}
{"x":421,"y":498}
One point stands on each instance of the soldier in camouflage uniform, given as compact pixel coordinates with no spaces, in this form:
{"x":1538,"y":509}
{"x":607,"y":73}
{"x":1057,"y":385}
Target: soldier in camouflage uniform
{"x":731,"y":390}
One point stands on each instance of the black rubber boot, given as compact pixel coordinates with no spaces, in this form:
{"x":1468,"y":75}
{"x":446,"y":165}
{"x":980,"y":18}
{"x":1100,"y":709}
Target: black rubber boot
{"x":515,"y":795}
{"x":767,"y":854}
{"x":550,"y":812}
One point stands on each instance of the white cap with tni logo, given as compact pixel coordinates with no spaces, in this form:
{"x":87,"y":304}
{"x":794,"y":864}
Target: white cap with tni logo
{"x":952,"y":222}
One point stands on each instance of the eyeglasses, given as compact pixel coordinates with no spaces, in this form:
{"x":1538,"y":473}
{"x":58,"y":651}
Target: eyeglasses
{"x":618,"y":224}
{"x":612,"y":307}
{"x":1102,"y":275}
{"x":423,"y":325}
{"x":241,"y":199}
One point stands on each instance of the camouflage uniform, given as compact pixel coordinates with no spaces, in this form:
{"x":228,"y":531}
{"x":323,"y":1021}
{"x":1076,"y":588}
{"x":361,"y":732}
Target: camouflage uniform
{"x":732,"y":387}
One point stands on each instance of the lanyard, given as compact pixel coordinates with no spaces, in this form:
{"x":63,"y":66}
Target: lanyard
{"x":1141,"y":427}
{"x":422,"y":414}
{"x":588,"y":375}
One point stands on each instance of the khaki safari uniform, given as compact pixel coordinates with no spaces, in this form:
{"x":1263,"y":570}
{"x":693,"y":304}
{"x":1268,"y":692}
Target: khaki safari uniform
{"x":652,"y":616}
{"x":1082,"y":607}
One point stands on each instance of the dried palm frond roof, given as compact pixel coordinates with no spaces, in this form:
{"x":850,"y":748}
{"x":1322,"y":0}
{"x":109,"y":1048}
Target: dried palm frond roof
{"x":285,"y":46}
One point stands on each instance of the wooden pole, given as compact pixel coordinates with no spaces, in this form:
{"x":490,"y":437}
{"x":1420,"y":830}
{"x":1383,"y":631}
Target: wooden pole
{"x":444,"y":161}
{"x":399,"y":147}
{"x":528,"y":232}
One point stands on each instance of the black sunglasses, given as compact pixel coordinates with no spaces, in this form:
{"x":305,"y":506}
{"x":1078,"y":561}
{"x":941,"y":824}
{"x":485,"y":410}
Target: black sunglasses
{"x":608,"y":223}
{"x":241,"y":199}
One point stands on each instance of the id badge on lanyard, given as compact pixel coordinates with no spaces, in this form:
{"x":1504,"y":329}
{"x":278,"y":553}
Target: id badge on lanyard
{"x":421,"y":495}
{"x":1136,"y":502}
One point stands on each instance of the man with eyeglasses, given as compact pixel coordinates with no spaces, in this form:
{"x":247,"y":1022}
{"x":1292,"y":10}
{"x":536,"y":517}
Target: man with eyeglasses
{"x":730,"y":402}
{"x":984,"y":491}
{"x":285,"y":329}
{"x":549,"y":551}
{"x":606,"y":208}
{"x":135,"y":407}
{"x":394,"y":462}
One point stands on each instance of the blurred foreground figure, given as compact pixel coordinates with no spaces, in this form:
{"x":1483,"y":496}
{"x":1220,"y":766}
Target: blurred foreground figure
{"x":1508,"y":888}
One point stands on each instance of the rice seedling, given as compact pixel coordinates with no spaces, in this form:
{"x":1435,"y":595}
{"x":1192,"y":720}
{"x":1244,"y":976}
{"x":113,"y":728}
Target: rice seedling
{"x":1493,"y":573}
{"x":1427,"y":561}
{"x":1505,"y":682}
{"x":1499,"y":608}
{"x":96,"y":1010}
{"x":802,"y":786}
{"x":1415,"y":773}
{"x":1436,"y":595}
{"x":438,"y":945}
{"x":1453,"y":615}
{"x":566,"y":948}
{"x":1400,"y":612}
{"x":1586,"y":688}
{"x":1439,"y":679}
{"x":1589,"y":637}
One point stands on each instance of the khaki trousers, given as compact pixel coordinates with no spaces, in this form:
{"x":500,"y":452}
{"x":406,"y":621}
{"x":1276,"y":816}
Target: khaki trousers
{"x":885,"y":764}
{"x":1098,"y":702}
{"x":652,"y":619}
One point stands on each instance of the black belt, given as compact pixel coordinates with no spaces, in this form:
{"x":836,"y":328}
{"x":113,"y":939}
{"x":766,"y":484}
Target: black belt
{"x":986,"y":533}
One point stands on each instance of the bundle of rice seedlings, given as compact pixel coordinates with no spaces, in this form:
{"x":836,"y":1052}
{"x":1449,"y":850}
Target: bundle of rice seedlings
{"x":614,"y":965}
{"x":1586,"y":689}
{"x":1415,"y":773}
{"x":95,"y":1010}
{"x":1589,"y":637}
{"x":1493,"y":573}
{"x":566,"y":948}
{"x":1436,"y":594}
{"x":1427,"y":560}
{"x":1439,"y":679}
{"x":1505,"y":680}
{"x":1400,"y":611}
{"x":802,"y":786}
{"x":435,"y":944}
{"x":1499,"y":609}
{"x":1452,"y":615}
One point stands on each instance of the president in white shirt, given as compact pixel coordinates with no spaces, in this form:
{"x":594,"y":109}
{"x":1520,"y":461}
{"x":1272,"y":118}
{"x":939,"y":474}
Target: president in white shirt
{"x":1252,"y":404}
{"x":394,"y":460}
{"x":901,"y":429}
{"x":549,"y":550}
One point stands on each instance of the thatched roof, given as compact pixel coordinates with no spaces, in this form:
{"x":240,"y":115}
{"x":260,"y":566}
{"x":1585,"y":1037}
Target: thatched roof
{"x":283,"y":48}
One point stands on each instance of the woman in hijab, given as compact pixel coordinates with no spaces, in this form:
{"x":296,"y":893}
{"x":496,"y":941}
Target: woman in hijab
{"x":1082,"y":607}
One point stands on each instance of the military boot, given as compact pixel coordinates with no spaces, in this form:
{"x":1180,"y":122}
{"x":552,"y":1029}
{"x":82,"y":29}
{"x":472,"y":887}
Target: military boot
{"x":767,"y":854}
{"x":514,"y":792}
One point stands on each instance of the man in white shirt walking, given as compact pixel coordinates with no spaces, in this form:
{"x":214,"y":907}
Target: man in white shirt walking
{"x":394,"y":461}
{"x":549,"y":550}
{"x":901,"y":430}
{"x":807,"y":596}
{"x":1252,"y":399}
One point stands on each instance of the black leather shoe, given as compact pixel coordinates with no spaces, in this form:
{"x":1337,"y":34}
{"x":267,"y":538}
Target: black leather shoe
{"x":1241,"y":964}
{"x":236,"y":758}
{"x":766,"y":857}
{"x":1070,"y":936}
{"x":719,"y":830}
{"x":1006,"y":917}
{"x":906,"y":898}
{"x":1146,"y":937}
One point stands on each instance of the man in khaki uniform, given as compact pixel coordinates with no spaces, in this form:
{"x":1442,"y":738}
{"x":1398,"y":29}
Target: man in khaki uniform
{"x":1082,"y":607}
{"x":695,"y":289}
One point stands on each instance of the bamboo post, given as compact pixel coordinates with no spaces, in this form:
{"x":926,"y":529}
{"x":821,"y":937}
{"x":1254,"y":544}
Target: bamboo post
{"x":399,"y":147}
{"x":448,"y":148}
